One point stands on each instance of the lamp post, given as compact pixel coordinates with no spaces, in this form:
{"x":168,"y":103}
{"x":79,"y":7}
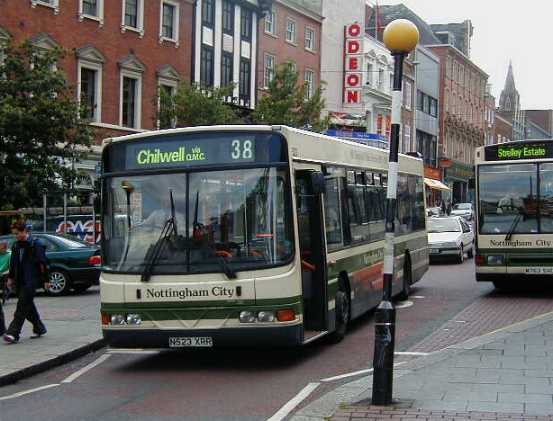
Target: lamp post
{"x":401,"y":37}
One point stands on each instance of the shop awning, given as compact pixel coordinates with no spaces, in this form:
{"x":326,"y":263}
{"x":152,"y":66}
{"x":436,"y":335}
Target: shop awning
{"x":435,"y":184}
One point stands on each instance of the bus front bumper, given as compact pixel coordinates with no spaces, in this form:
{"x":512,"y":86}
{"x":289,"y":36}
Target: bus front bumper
{"x":285,"y":336}
{"x":503,"y":273}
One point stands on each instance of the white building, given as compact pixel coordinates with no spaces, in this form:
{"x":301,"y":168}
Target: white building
{"x":225,"y":49}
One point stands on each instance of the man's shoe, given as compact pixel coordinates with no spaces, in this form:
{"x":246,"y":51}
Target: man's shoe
{"x":10,"y":339}
{"x":38,"y":332}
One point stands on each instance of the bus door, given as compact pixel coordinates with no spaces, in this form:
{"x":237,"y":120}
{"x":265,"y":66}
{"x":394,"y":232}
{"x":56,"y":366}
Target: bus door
{"x":309,"y":190}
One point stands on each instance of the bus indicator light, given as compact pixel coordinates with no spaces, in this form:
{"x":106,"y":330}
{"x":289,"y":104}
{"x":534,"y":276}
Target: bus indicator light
{"x":106,"y":319}
{"x":286,"y":315}
{"x":479,"y":260}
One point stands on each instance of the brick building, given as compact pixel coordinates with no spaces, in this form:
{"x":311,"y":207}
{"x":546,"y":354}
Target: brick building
{"x":119,"y":52}
{"x":462,"y":117}
{"x":290,"y":34}
{"x":489,"y":126}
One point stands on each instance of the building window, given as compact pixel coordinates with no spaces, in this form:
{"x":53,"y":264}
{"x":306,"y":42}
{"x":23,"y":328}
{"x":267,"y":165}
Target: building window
{"x":269,"y":72}
{"x":290,"y":31}
{"x":370,"y":71}
{"x":133,"y":15}
{"x":130,"y":112}
{"x":226,"y":69}
{"x":407,"y":95}
{"x":309,"y":79}
{"x":169,"y":21}
{"x":381,"y":79}
{"x":228,"y":17}
{"x":292,"y":66}
{"x":246,"y":24}
{"x":206,"y":67}
{"x":309,"y":39}
{"x":166,"y":94}
{"x":270,"y":22}
{"x":208,"y":13}
{"x":245,"y":80}
{"x":54,"y":4}
{"x":90,"y":7}
{"x":406,"y":138}
{"x":89,"y":92}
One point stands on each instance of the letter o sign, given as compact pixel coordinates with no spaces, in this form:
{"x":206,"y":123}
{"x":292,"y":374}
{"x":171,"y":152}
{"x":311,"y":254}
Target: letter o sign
{"x":353,"y":80}
{"x":354,"y":30}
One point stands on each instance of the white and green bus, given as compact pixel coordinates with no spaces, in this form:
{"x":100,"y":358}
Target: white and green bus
{"x":249,"y":235}
{"x":514,"y":225}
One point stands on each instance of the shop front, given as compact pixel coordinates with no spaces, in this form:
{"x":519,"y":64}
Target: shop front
{"x":457,"y":177}
{"x":435,"y":188}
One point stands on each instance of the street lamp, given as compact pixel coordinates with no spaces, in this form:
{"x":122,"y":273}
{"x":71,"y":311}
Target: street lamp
{"x":401,"y":37}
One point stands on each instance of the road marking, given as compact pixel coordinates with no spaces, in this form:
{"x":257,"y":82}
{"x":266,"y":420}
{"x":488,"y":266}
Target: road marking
{"x":404,"y":304}
{"x":135,"y":351}
{"x":343,"y":376}
{"x":355,"y":373}
{"x":415,"y":354}
{"x":418,"y":296}
{"x":294,"y":402}
{"x":86,"y":368}
{"x":27,"y":392}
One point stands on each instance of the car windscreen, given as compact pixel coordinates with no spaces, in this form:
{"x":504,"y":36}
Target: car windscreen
{"x":443,"y":225}
{"x":462,"y":206}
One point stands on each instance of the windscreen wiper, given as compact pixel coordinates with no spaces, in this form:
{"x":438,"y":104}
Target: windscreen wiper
{"x":513,"y":227}
{"x":154,"y":251}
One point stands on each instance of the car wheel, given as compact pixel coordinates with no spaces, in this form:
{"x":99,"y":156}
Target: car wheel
{"x":59,"y":282}
{"x":342,"y":311}
{"x":461,"y":257}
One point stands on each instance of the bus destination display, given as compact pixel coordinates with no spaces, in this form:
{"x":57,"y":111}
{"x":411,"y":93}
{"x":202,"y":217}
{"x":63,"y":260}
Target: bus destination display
{"x":516,"y":152}
{"x":186,"y":152}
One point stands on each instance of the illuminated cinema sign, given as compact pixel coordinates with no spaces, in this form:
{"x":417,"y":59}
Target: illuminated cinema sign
{"x":353,"y":53}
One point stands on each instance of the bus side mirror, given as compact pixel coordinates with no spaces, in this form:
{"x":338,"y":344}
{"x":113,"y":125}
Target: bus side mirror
{"x":318,"y":183}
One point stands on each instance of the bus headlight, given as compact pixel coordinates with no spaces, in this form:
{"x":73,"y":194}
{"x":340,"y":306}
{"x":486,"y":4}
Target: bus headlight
{"x":495,"y":260}
{"x":266,"y":316}
{"x":247,"y":317}
{"x":134,"y":319}
{"x":117,"y":319}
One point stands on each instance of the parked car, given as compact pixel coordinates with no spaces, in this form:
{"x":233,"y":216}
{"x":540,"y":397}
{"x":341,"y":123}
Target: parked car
{"x":464,"y":210}
{"x":74,"y":264}
{"x":450,"y":237}
{"x":434,"y":211}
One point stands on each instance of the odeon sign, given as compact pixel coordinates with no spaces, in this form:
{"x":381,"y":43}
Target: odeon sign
{"x":353,"y":76}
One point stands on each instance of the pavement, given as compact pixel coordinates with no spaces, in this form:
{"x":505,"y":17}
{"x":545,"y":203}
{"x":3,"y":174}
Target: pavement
{"x":73,"y":324}
{"x":503,"y":375}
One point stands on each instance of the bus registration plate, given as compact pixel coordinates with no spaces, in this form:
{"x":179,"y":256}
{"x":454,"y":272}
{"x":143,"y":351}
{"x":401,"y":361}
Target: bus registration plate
{"x":191,"y":342}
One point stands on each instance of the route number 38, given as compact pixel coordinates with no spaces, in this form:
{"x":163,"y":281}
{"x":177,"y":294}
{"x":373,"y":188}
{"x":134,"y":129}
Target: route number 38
{"x":242,"y":149}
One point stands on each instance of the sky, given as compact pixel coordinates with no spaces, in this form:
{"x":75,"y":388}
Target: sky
{"x":503,"y":30}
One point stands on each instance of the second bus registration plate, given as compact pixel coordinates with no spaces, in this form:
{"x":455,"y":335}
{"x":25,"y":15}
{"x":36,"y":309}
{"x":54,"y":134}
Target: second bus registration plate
{"x":191,"y":342}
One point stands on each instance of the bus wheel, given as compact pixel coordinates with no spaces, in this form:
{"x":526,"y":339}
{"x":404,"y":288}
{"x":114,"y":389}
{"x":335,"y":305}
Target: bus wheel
{"x":407,"y":279}
{"x":342,"y":312}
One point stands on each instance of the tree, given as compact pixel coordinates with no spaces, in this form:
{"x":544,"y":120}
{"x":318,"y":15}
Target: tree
{"x":286,"y":103}
{"x":193,"y":105}
{"x":42,"y":133}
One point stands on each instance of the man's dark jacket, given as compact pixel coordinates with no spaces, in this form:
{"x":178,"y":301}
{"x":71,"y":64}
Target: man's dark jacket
{"x":28,"y":263}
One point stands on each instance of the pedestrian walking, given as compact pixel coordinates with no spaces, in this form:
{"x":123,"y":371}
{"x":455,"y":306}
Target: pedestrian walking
{"x":28,"y":267}
{"x":4,"y":267}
